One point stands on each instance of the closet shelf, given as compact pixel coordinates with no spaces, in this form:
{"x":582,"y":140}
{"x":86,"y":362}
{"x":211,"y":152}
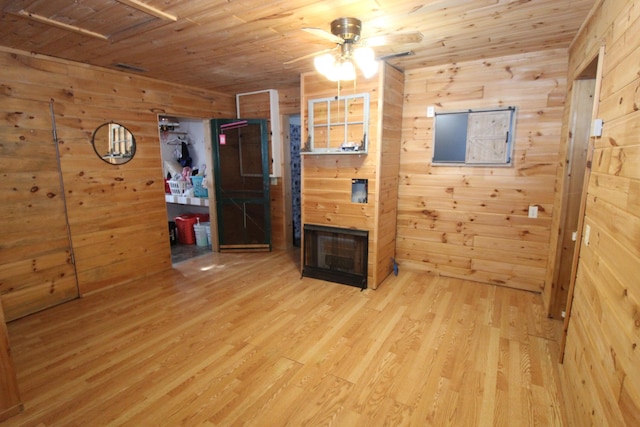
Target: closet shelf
{"x":181,"y":200}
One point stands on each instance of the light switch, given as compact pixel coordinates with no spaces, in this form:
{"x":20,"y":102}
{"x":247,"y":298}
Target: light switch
{"x":587,"y":233}
{"x":533,"y":211}
{"x":596,"y":127}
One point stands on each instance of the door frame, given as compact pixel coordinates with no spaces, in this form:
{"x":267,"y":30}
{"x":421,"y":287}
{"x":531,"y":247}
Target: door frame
{"x":583,"y":201}
{"x":576,"y":165}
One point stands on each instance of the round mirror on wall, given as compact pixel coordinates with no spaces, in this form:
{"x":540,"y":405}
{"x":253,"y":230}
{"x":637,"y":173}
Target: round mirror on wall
{"x":114,"y":143}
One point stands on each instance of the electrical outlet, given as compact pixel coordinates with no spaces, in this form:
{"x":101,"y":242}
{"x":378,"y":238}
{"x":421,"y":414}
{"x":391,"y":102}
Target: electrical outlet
{"x":430,"y":111}
{"x":533,"y":211}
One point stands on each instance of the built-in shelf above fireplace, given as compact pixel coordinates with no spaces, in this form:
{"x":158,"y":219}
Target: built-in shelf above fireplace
{"x":336,"y":254}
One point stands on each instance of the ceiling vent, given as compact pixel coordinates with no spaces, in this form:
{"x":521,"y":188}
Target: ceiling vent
{"x":129,"y":67}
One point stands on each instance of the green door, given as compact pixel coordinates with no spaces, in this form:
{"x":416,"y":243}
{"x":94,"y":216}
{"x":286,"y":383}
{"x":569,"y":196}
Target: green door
{"x":241,"y":171}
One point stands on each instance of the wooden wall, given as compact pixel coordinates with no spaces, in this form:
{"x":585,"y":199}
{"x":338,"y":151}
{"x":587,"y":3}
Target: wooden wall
{"x":472,"y":222}
{"x":117,"y":214}
{"x":10,"y":403}
{"x":601,"y":368}
{"x":36,"y":268}
{"x":326,"y":179}
{"x":386,"y":194}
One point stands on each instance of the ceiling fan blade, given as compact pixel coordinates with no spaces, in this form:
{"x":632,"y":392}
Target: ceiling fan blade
{"x":300,"y":58}
{"x":397,"y":38}
{"x":324,"y":34}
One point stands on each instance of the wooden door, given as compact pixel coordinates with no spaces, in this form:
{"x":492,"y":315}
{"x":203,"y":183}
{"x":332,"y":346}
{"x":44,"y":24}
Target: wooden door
{"x":580,"y":126}
{"x":241,"y":170}
{"x":36,"y":268}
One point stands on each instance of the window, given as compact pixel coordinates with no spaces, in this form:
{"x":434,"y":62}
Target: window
{"x":474,"y":137}
{"x":339,"y":124}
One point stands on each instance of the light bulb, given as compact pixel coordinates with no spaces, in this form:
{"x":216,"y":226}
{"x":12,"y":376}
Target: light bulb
{"x":365,"y":59}
{"x":364,"y":55}
{"x":347,"y":71}
{"x":333,"y":74}
{"x":324,"y":63}
{"x":370,"y":69}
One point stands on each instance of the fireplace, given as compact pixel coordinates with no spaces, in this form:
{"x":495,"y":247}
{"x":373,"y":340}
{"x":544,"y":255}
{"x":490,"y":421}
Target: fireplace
{"x":336,"y":254}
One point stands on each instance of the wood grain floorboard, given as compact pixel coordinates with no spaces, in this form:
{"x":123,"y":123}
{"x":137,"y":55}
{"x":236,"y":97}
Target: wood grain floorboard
{"x":242,"y":339}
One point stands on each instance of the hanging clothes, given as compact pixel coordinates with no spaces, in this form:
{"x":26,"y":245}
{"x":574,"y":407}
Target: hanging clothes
{"x":185,"y":158}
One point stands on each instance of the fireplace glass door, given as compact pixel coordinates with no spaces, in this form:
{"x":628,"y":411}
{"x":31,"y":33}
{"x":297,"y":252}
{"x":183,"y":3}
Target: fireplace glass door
{"x":336,"y":254}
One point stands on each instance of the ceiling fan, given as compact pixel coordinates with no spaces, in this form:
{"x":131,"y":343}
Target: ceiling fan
{"x":345,"y":33}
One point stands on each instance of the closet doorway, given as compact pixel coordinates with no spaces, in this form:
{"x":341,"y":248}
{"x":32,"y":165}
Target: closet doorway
{"x":185,"y":157}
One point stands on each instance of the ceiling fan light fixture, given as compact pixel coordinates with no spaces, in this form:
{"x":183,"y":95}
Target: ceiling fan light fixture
{"x":343,"y":66}
{"x":335,"y":68}
{"x":345,"y":32}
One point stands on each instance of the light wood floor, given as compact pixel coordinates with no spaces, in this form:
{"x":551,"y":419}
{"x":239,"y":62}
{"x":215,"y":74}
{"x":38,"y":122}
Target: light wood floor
{"x":241,"y":339}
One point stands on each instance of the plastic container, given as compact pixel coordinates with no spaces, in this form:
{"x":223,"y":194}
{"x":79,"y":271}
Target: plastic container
{"x":185,"y":223}
{"x":200,"y":230}
{"x":198,"y":189}
{"x":177,"y":187}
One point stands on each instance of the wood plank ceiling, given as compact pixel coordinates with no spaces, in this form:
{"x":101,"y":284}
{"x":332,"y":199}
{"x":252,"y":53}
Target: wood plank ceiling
{"x":242,"y":45}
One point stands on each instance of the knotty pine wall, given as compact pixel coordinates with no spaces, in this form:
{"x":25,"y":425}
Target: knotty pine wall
{"x":472,"y":222}
{"x":117,"y":214}
{"x":386,"y":192}
{"x":326,"y":179}
{"x":10,"y":403}
{"x":36,"y":269}
{"x":601,"y":367}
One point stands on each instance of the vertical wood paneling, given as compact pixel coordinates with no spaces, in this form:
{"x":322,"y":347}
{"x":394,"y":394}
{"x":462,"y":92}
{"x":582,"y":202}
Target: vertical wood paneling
{"x":388,"y":166}
{"x":472,"y":222}
{"x":601,"y":367}
{"x":117,"y":214}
